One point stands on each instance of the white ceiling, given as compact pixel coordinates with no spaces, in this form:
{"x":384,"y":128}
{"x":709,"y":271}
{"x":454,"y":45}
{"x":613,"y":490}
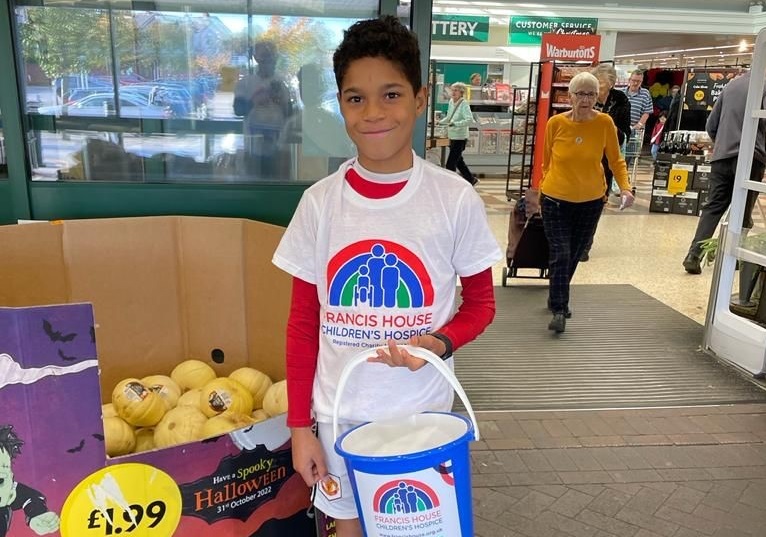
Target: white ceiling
{"x":640,"y":46}
{"x":645,"y":47}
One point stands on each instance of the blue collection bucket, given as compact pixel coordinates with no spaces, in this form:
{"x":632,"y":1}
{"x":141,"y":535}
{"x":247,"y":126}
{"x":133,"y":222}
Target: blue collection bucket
{"x":411,"y":476}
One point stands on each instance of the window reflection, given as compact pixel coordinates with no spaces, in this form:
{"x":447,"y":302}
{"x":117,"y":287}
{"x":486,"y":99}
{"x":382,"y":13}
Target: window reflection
{"x":183,"y":95}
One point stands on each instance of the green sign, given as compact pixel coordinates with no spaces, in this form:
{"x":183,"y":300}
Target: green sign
{"x":460,"y":28}
{"x":529,"y":30}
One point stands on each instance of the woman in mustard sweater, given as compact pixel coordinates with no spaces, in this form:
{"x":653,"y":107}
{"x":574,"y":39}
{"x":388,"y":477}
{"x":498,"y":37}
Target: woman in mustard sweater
{"x":572,"y":187}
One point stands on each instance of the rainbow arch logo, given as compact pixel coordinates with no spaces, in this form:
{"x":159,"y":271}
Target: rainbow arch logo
{"x":403,"y":496}
{"x":379,"y":274}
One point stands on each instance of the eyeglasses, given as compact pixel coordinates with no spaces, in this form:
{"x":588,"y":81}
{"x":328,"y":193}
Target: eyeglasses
{"x":585,"y":94}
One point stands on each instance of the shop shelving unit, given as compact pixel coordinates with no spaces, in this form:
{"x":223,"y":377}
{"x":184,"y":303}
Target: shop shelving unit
{"x":522,"y":139}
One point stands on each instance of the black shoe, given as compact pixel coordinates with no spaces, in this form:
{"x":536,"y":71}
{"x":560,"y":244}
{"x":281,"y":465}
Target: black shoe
{"x":568,"y":314}
{"x":558,"y":324}
{"x":692,"y":264}
{"x":585,"y":257}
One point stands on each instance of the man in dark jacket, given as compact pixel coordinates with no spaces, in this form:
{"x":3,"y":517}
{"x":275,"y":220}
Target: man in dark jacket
{"x":724,"y":125}
{"x":616,"y":104}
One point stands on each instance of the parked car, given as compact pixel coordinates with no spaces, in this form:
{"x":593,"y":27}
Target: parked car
{"x":174,"y":96}
{"x":103,"y":105}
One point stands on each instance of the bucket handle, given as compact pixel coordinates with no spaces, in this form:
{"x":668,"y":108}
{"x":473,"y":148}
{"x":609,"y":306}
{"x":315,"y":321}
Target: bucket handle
{"x":418,"y":352}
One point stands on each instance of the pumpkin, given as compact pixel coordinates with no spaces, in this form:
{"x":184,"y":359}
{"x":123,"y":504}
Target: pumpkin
{"x":191,"y":374}
{"x":259,"y":415}
{"x":224,"y":394}
{"x":108,"y":411}
{"x":255,"y":381}
{"x":165,"y":387}
{"x":119,"y":438}
{"x":144,"y":439}
{"x":180,"y":425}
{"x":137,"y":404}
{"x":225,"y":423}
{"x":190,"y":398}
{"x":275,"y":400}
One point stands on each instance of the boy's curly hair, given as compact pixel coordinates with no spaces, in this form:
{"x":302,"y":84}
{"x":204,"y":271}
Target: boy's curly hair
{"x":9,"y":442}
{"x":385,"y":38}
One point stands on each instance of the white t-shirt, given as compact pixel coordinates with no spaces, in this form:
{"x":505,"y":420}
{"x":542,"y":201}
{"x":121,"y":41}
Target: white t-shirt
{"x":385,"y":269}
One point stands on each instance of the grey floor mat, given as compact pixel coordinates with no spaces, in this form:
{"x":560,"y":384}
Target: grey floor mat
{"x":622,"y":348}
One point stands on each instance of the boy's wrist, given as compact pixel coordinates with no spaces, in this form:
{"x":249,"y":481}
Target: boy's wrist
{"x":448,"y":347}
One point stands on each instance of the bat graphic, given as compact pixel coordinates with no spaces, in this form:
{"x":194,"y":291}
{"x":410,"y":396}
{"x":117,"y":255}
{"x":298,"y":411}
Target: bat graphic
{"x":77,"y":448}
{"x":65,"y":357}
{"x":57,"y":336}
{"x":99,"y":437}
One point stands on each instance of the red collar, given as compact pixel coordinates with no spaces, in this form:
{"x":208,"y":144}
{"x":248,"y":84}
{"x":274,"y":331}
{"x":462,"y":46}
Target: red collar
{"x":369,"y":189}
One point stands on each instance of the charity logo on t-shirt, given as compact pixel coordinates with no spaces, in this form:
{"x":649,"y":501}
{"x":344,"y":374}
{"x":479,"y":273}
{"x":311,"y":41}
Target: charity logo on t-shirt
{"x":379,"y":274}
{"x":376,"y":290}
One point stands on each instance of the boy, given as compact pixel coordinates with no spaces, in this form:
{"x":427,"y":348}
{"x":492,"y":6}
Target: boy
{"x":375,"y":250}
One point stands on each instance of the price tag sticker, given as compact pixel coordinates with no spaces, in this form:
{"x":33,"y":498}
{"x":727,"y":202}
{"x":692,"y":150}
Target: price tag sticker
{"x":677,"y":180}
{"x":133,"y":499}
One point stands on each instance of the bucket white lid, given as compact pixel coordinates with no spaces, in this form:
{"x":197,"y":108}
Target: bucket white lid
{"x":404,"y":436}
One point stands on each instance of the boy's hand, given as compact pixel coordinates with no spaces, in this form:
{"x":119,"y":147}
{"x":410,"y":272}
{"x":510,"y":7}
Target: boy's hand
{"x":397,"y":357}
{"x":308,"y":456}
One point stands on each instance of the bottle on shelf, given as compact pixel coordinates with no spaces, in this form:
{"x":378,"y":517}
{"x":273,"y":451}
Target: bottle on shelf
{"x":678,"y":143}
{"x":688,"y":144}
{"x":672,"y":143}
{"x":664,"y":145}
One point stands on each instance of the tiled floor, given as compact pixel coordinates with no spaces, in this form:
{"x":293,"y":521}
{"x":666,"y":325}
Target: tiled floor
{"x":681,"y":472}
{"x":673,"y":472}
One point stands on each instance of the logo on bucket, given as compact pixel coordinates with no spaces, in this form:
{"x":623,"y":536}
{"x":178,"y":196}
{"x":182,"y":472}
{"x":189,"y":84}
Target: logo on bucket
{"x":404,"y":496}
{"x":406,"y":505}
{"x":378,"y":273}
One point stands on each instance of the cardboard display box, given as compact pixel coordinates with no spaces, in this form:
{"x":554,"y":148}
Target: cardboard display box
{"x":681,"y":173}
{"x":685,"y":203}
{"x":701,"y":177}
{"x":661,"y":171}
{"x":662,"y":201}
{"x":162,"y":289}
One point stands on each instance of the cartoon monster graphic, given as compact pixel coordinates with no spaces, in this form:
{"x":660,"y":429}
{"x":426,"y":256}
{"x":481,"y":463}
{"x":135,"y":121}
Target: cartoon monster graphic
{"x":15,"y":496}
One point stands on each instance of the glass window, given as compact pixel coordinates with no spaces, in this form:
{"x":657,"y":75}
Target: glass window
{"x":181,"y":94}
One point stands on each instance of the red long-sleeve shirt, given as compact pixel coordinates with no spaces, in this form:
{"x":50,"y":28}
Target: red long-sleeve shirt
{"x":474,"y":314}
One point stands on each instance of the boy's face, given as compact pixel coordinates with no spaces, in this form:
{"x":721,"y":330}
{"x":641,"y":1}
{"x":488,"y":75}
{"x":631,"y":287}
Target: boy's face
{"x":380,"y":109}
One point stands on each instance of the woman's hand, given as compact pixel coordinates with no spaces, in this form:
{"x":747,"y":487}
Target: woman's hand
{"x":627,"y":199}
{"x":308,"y":456}
{"x":398,"y":357}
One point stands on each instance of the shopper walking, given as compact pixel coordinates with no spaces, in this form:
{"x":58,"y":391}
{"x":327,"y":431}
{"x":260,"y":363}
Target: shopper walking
{"x":614,"y":103}
{"x":724,"y":126}
{"x":457,"y":120}
{"x":572,"y":188}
